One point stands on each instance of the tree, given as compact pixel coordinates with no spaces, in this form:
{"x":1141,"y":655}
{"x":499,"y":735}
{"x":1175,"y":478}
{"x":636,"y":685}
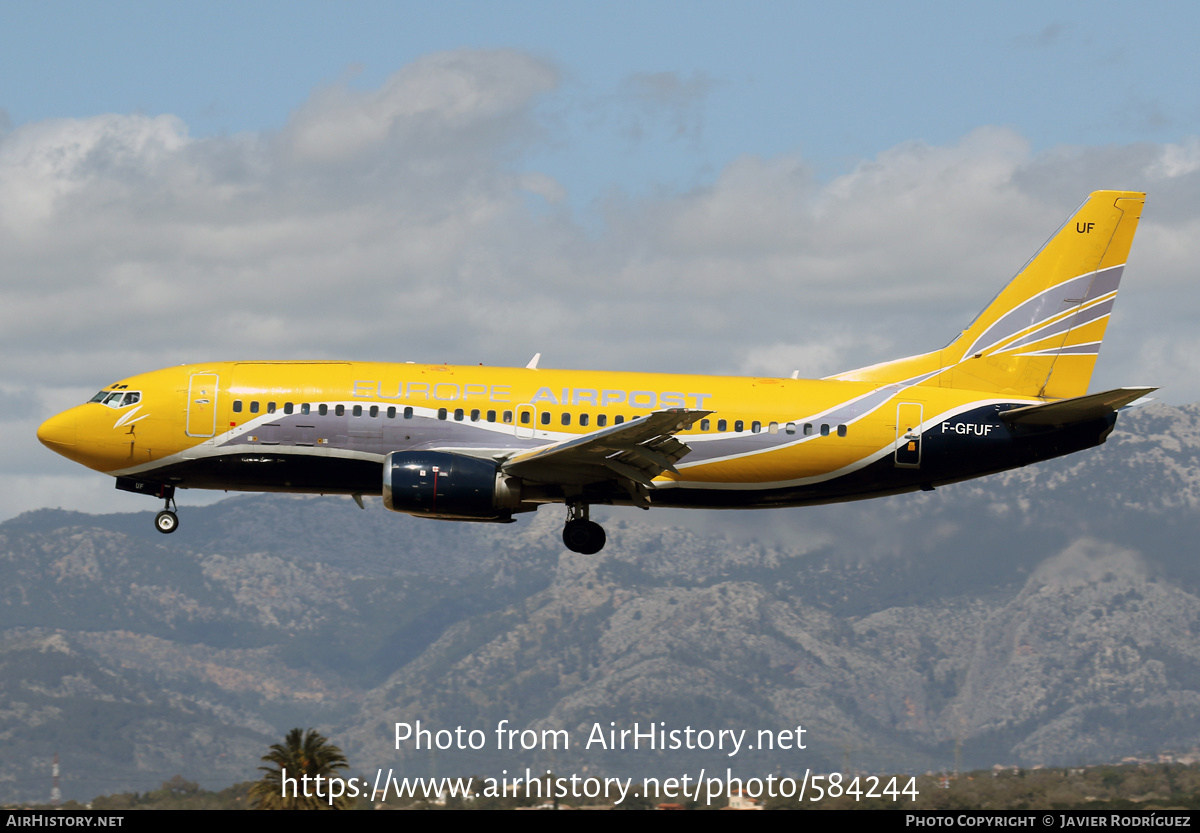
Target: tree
{"x":305,"y":762}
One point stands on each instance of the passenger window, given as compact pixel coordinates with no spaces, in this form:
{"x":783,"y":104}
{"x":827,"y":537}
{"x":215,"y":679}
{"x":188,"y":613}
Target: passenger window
{"x":391,"y":412}
{"x":458,"y":414}
{"x":807,"y":428}
{"x":739,"y":426}
{"x":323,"y":409}
{"x":722,"y":425}
{"x":524,"y":417}
{"x":475,"y":415}
{"x":508,"y":418}
{"x":566,"y":418}
{"x":704,"y":424}
{"x":618,"y":419}
{"x":270,"y":407}
{"x":340,"y":410}
{"x":408,"y":412}
{"x":824,"y":430}
{"x":305,"y":408}
{"x":601,"y":420}
{"x":755,"y":427}
{"x":237,"y":406}
{"x":288,"y":408}
{"x":583,"y":419}
{"x":254,"y":406}
{"x":357,"y":410}
{"x":790,"y":428}
{"x":441,"y":413}
{"x":374,"y":412}
{"x":841,"y":430}
{"x":491,"y":416}
{"x":773,"y":427}
{"x":545,"y":417}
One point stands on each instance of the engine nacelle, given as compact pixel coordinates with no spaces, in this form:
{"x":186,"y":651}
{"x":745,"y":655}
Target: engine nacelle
{"x":453,"y":487}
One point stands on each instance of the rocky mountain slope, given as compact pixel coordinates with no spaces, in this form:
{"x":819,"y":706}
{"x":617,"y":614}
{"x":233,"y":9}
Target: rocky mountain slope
{"x":1047,"y":615}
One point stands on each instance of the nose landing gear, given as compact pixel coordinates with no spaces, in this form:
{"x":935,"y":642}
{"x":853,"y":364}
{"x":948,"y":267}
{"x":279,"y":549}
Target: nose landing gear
{"x":167,"y":521}
{"x":580,"y":534}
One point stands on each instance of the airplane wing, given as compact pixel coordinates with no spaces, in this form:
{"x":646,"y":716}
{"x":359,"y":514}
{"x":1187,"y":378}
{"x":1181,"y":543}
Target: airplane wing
{"x":1076,"y":409}
{"x":634,"y":452}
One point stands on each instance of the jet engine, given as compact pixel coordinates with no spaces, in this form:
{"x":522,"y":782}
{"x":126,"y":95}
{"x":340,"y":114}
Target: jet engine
{"x":448,"y":486}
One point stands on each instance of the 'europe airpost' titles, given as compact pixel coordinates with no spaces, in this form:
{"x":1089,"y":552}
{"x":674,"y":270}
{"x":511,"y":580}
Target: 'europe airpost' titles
{"x":649,"y":736}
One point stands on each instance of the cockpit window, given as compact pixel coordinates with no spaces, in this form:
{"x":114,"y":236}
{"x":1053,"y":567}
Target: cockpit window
{"x":117,"y":398}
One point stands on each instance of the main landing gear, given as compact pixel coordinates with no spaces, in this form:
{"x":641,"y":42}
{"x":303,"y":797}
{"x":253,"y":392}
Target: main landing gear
{"x":167,"y":521}
{"x":580,"y":534}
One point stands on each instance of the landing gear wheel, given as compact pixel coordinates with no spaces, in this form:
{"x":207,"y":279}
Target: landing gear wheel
{"x":166,"y":522}
{"x":584,"y":537}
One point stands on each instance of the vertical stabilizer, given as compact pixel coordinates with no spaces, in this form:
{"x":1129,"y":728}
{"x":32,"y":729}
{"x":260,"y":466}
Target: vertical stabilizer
{"x":1041,"y":335}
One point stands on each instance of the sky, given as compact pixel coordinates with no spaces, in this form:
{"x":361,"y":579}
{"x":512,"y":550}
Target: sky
{"x":749,"y":188}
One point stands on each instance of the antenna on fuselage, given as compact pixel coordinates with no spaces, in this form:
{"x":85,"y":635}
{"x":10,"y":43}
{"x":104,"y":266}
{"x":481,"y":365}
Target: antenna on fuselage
{"x":533,"y":362}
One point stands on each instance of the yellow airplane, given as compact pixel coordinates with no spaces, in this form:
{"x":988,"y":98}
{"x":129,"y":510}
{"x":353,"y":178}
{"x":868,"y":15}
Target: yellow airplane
{"x":485,"y":443}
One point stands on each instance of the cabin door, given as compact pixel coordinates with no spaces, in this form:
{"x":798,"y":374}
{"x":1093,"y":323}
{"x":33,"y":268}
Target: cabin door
{"x":202,"y":405}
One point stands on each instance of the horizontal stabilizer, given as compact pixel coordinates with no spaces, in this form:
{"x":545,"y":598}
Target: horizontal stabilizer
{"x":1077,"y":409}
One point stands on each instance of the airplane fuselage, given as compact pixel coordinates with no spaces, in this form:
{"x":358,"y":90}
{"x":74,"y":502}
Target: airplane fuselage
{"x":326,"y":427}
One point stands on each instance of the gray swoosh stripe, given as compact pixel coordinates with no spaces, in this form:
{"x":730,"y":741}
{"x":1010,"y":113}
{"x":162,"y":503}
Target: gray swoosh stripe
{"x":1070,"y":322}
{"x":1047,"y":304}
{"x":842,"y":414}
{"x":1091,"y":348}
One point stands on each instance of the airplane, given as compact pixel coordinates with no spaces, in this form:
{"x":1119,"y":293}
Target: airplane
{"x":467,"y":443}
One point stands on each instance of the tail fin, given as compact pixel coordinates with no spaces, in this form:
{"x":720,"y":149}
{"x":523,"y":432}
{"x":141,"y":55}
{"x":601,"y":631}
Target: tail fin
{"x":1041,"y":335}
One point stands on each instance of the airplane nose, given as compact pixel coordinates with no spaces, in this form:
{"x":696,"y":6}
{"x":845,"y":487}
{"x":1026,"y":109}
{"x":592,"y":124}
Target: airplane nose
{"x":58,"y":432}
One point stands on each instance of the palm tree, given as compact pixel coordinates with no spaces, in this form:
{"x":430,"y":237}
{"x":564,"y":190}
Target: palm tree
{"x":303,"y":754}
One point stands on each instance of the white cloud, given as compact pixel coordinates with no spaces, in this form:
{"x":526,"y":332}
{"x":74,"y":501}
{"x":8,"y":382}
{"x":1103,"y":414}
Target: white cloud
{"x":432,"y":107}
{"x":45,"y":163}
{"x":412,"y":223}
{"x":1177,"y":160}
{"x":813,"y":359}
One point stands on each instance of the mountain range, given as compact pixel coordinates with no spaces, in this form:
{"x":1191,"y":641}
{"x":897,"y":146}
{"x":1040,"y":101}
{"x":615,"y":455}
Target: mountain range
{"x":1044,"y":616}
